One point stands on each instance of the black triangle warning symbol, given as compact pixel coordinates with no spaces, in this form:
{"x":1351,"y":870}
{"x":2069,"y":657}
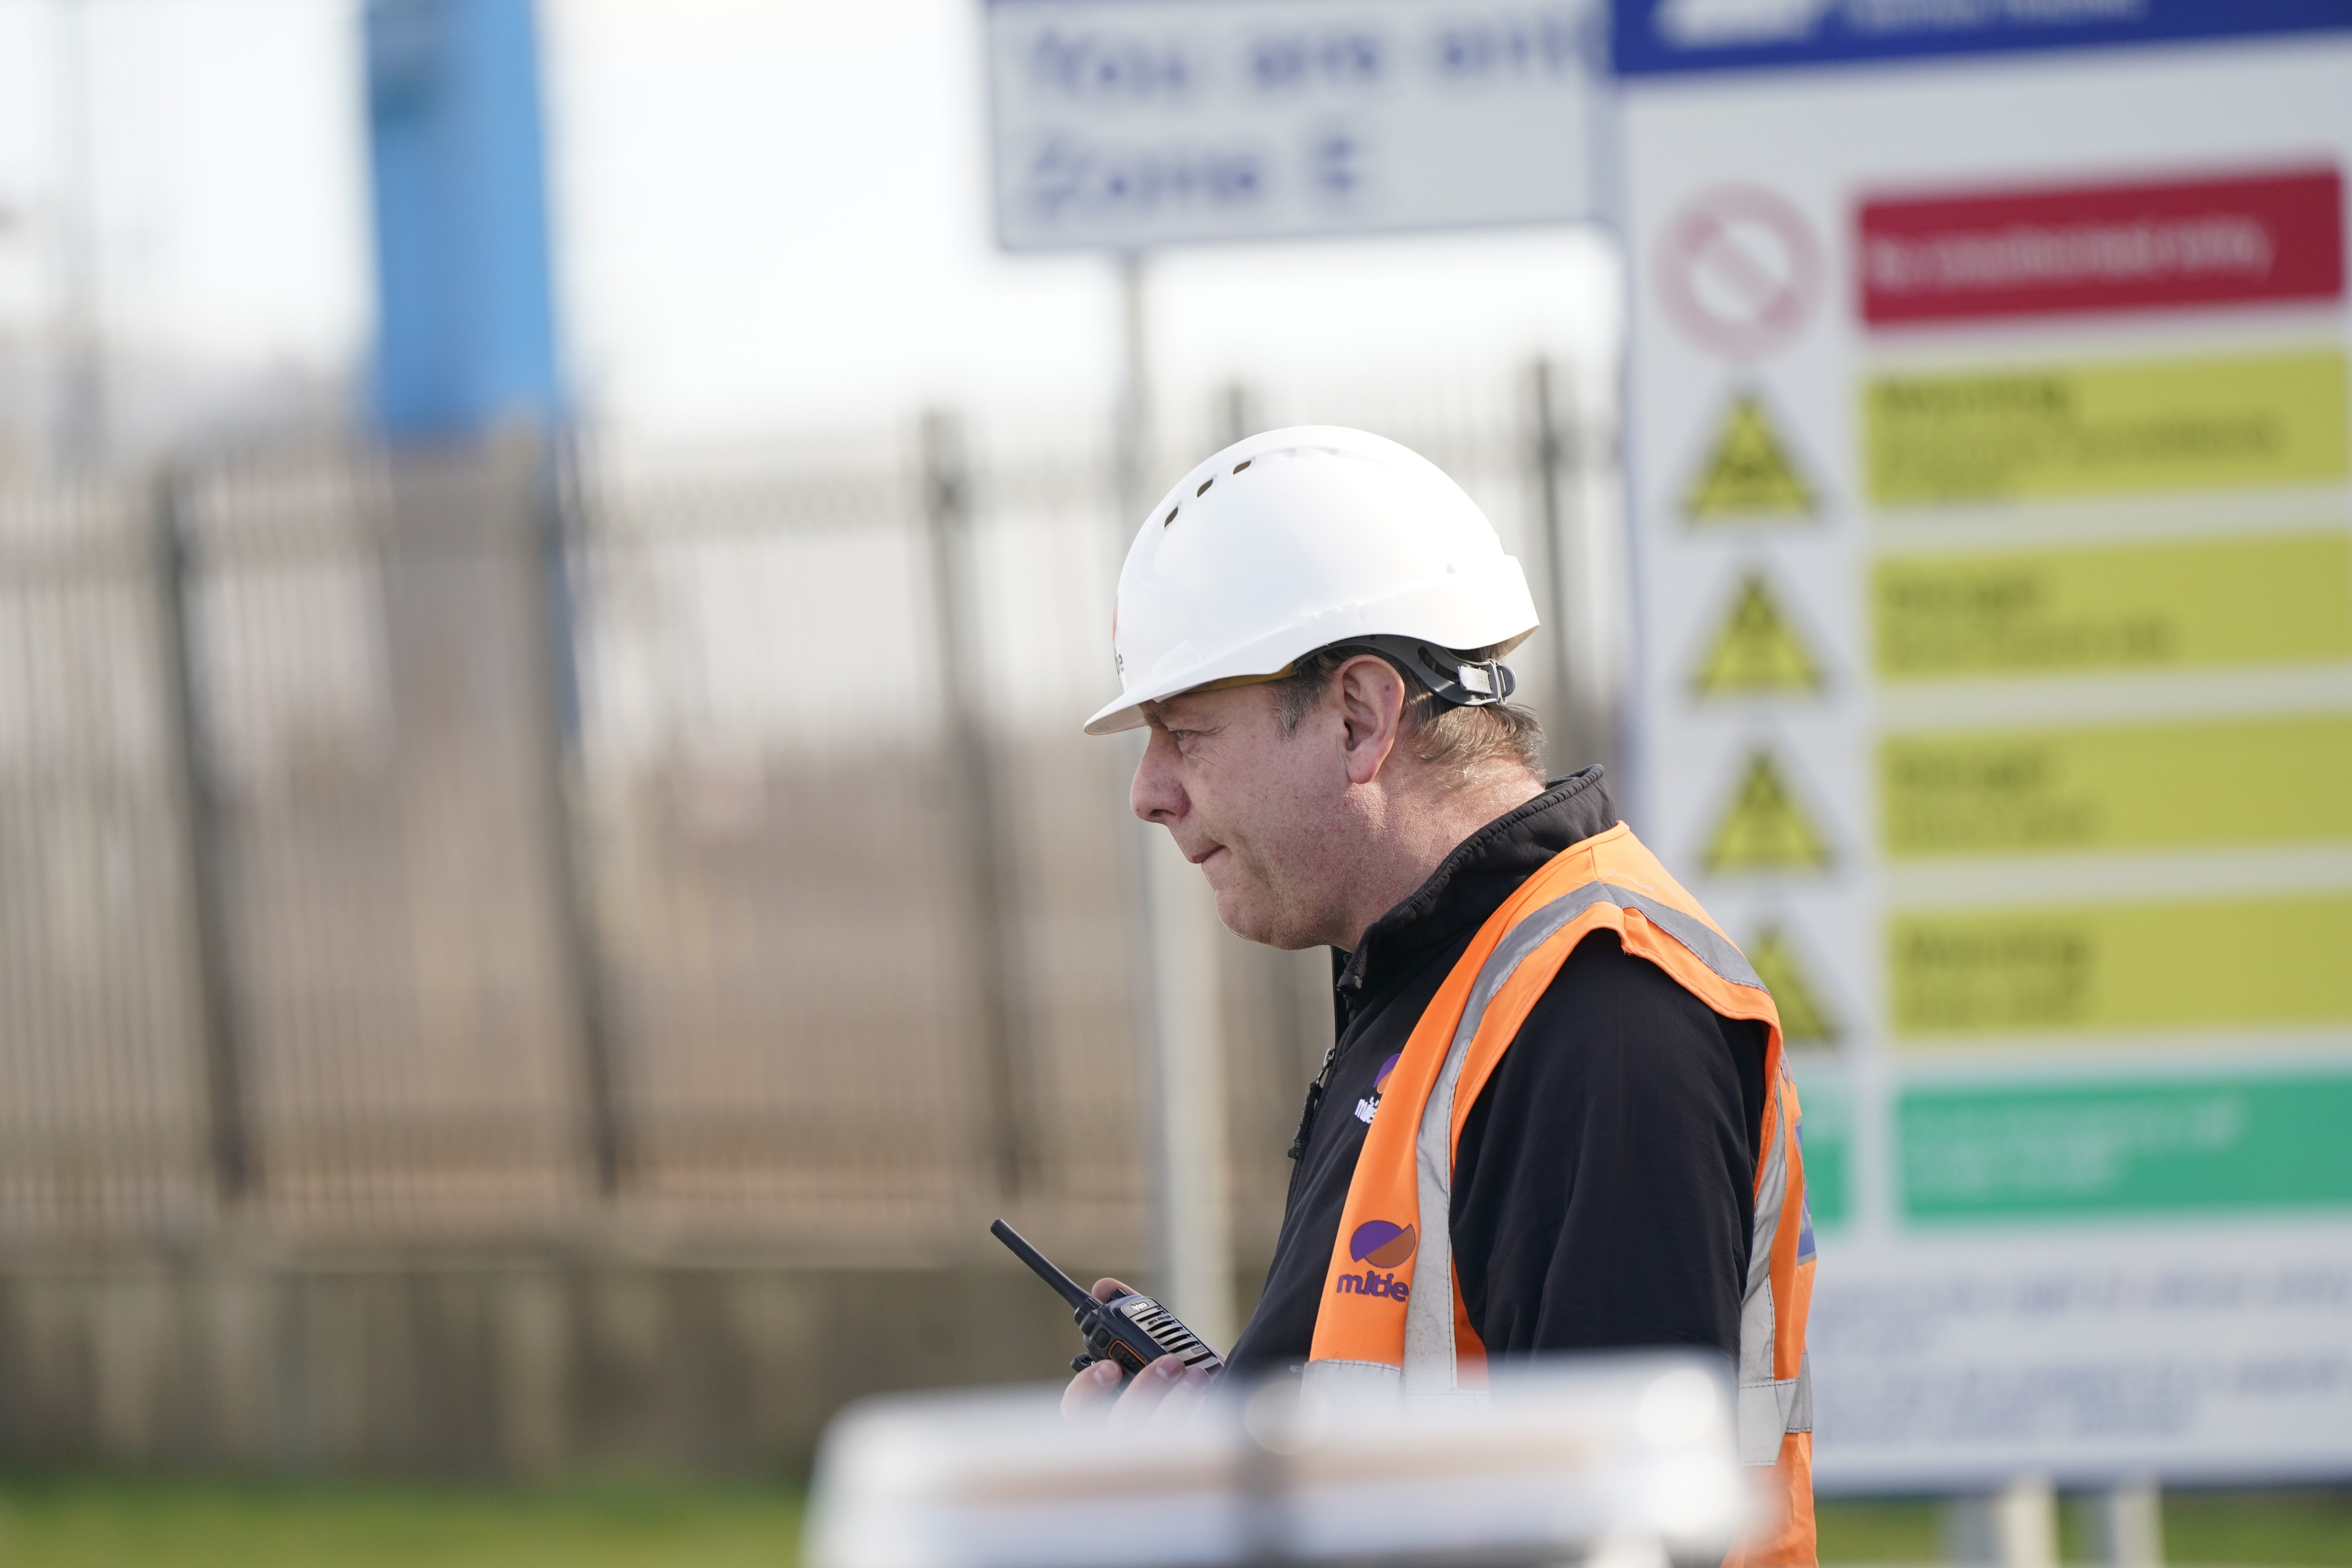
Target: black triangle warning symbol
{"x":1764,"y":829}
{"x":1804,"y":1021}
{"x":1750,"y":472}
{"x":1757,"y":649}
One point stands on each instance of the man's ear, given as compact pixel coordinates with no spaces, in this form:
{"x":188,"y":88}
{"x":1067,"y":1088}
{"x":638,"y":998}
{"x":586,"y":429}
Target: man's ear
{"x":1370,"y":697}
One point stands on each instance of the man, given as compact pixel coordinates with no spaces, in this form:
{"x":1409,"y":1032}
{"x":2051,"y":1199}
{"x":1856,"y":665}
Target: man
{"x":1311,"y":625}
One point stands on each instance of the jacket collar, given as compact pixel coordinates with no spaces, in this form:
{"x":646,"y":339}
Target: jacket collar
{"x":1471,"y":884}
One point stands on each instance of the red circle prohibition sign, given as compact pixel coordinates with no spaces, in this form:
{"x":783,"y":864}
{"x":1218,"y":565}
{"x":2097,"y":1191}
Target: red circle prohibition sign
{"x":1740,"y":270}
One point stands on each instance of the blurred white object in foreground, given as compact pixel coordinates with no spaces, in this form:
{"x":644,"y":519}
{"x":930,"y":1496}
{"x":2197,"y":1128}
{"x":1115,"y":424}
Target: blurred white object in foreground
{"x":1628,"y":1458}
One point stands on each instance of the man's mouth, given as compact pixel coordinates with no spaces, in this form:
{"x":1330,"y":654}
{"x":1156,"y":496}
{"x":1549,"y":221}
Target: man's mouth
{"x":1203,"y":857}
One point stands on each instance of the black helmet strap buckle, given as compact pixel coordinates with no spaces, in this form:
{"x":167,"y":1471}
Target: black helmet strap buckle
{"x":1453,"y":680}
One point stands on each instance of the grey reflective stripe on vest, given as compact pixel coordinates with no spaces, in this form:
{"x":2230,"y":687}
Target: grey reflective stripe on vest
{"x":1768,"y":1408}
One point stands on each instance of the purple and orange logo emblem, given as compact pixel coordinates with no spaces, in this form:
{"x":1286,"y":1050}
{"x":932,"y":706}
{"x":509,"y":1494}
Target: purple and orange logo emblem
{"x":1378,"y":1244}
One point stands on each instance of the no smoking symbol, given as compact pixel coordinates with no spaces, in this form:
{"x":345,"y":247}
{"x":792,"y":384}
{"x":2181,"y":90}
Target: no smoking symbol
{"x":1740,"y":270}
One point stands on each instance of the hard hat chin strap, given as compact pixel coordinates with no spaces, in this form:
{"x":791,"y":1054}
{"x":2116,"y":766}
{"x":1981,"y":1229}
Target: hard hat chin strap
{"x":1457,"y":681}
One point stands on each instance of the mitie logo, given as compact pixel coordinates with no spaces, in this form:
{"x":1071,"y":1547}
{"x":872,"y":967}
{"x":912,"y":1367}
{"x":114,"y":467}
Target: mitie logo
{"x":1379,"y":1245}
{"x":1368,"y":1109}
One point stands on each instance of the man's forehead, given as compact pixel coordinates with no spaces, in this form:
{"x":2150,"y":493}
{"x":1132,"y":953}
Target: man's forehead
{"x":1173,"y":710}
{"x":1196,"y":707}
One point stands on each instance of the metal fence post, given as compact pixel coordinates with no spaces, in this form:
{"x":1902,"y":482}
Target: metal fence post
{"x":556,"y":515}
{"x":1581,"y":580}
{"x":2126,"y":1524}
{"x":1239,"y":413}
{"x":991,"y":913}
{"x":2016,"y":1527}
{"x":193,"y":782}
{"x":1547,"y":452}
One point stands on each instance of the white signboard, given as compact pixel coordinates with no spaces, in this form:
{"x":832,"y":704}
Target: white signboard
{"x":1989,"y":454}
{"x":1130,"y":124}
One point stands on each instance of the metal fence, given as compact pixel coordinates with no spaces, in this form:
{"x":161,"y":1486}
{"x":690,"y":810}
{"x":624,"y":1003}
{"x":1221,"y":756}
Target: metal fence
{"x":693,"y":846}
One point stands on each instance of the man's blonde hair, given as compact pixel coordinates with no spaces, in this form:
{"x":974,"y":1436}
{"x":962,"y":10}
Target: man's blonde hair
{"x":1470,"y":740}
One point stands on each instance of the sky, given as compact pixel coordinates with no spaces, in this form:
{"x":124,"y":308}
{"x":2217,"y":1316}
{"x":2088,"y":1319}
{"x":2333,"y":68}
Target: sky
{"x":769,"y":213}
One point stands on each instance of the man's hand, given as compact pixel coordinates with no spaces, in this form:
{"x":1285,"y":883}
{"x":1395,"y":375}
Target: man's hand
{"x":1164,"y":1394}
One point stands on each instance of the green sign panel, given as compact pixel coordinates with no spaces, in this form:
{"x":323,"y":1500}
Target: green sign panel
{"x":1827,"y":1144}
{"x":2229,"y":1144}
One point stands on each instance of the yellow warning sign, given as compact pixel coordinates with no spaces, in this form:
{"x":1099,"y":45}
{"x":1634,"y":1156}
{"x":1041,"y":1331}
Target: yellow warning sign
{"x":2276,"y":958}
{"x":2182,"y":603}
{"x":1757,"y":649}
{"x":1764,"y":829}
{"x":1804,"y":1020}
{"x":1750,"y":473}
{"x":2051,"y":432}
{"x":2114,"y":786}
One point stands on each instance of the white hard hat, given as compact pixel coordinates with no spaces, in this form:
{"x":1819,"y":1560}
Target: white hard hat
{"x":1292,"y":540}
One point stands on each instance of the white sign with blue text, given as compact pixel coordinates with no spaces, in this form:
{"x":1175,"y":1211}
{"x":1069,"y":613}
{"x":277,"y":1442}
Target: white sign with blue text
{"x":1133,"y":124}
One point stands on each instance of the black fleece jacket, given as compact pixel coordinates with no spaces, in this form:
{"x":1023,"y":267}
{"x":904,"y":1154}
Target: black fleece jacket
{"x":1603,"y":1187}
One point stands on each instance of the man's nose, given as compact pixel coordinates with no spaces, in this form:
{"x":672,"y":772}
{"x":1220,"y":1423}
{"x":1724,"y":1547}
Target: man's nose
{"x":1155,"y":796}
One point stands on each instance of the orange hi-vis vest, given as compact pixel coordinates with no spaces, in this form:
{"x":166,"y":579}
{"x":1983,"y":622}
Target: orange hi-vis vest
{"x":1391,"y":1309}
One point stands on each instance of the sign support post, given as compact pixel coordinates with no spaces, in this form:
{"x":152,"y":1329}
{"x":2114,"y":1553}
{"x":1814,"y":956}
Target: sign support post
{"x":1178,"y":1020}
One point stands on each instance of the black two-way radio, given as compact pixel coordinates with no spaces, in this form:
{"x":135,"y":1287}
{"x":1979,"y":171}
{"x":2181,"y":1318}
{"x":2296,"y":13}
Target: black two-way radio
{"x":1130,"y":1329}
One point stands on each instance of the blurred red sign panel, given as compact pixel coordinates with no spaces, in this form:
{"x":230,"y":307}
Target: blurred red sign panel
{"x":2269,"y":236}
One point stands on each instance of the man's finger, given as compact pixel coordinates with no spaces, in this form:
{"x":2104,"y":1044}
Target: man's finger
{"x":1092,"y":1392}
{"x":1144,"y":1392}
{"x":1106,"y":1289}
{"x":1185,"y":1398}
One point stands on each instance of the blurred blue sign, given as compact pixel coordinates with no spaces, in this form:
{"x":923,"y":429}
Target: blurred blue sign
{"x":465,"y":326}
{"x":1129,"y":124}
{"x":1651,"y":37}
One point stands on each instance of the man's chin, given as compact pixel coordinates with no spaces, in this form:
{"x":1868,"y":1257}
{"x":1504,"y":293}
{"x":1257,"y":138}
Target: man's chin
{"x":1253,"y":921}
{"x":1240,"y":915}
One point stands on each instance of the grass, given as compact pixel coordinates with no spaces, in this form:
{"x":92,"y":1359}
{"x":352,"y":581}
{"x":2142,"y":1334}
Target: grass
{"x":81,"y":1519}
{"x":2310,"y":1528}
{"x":1853,"y":1531}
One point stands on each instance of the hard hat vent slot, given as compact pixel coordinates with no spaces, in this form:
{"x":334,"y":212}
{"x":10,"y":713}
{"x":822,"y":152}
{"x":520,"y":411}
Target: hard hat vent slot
{"x":1239,"y":466}
{"x":1205,"y":484}
{"x":1170,"y":517}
